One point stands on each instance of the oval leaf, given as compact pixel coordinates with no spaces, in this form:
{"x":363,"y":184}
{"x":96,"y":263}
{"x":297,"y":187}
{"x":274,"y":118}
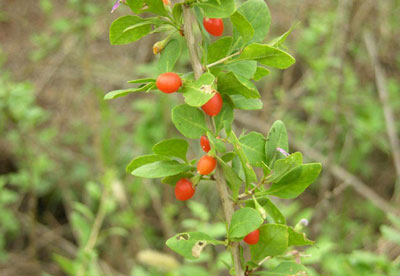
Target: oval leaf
{"x":243,"y":222}
{"x":274,"y":239}
{"x":189,"y":121}
{"x":128,"y":28}
{"x":172,"y":148}
{"x":161,"y":169}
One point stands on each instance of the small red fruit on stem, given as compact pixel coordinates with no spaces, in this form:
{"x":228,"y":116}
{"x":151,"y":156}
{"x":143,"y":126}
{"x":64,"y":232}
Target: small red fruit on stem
{"x":214,"y":26}
{"x":214,"y":105}
{"x":168,"y":82}
{"x":204,"y":143}
{"x":206,"y":165}
{"x":184,"y":189}
{"x":166,"y":2}
{"x":252,"y":237}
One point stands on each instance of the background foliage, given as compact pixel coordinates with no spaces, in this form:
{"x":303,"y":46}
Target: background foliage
{"x":63,"y":149}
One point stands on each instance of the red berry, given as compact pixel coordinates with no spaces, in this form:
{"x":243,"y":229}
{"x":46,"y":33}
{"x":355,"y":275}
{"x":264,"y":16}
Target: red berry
{"x":214,"y":26}
{"x":168,"y":82}
{"x":184,"y":189}
{"x":206,"y":165}
{"x":166,"y":2}
{"x":253,"y":237}
{"x":214,"y":105}
{"x":204,"y":143}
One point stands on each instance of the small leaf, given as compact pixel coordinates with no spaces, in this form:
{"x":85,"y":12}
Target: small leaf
{"x":241,"y":102}
{"x":298,"y":239}
{"x":219,"y":49}
{"x":267,"y":55}
{"x":128,"y":29}
{"x":277,"y":137}
{"x":143,"y":160}
{"x":224,"y":116}
{"x":135,"y":5}
{"x":253,"y":145}
{"x":227,"y":157}
{"x":274,"y":215}
{"x":257,"y":14}
{"x":199,"y":92}
{"x":123,"y":92}
{"x":249,"y":173}
{"x":172,"y":148}
{"x":244,"y":221}
{"x":242,"y":25}
{"x":273,"y":241}
{"x":177,"y":12}
{"x":244,"y":68}
{"x":189,"y":121}
{"x":190,"y":244}
{"x":171,"y":180}
{"x":286,"y":269}
{"x":161,"y":169}
{"x":231,"y":84}
{"x":155,"y":6}
{"x":216,"y":143}
{"x":283,"y":166}
{"x":217,"y":8}
{"x":169,"y":56}
{"x":260,"y":73}
{"x":145,"y":80}
{"x":231,"y":177}
{"x":295,"y":182}
{"x":277,"y":42}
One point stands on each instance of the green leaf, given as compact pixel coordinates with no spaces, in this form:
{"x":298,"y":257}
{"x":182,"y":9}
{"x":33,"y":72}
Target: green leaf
{"x":273,"y":213}
{"x":241,"y":102}
{"x":171,"y":180}
{"x":253,"y":145}
{"x":169,"y":56}
{"x":257,"y":14}
{"x":283,"y":166}
{"x":199,"y":92}
{"x":216,"y":143}
{"x":286,"y":269}
{"x":177,"y":12}
{"x":219,"y":49}
{"x":189,"y":244}
{"x":231,"y":84}
{"x":298,"y":239}
{"x":244,"y":68}
{"x":135,"y":5}
{"x":278,"y":41}
{"x":143,"y":160}
{"x":145,"y":80}
{"x":155,"y":6}
{"x":274,"y":239}
{"x":260,"y":73}
{"x":277,"y":138}
{"x":128,"y":29}
{"x":225,"y":115}
{"x":231,"y":177}
{"x":242,"y":25}
{"x":267,"y":55}
{"x":227,"y":157}
{"x":217,"y":8}
{"x":172,"y":148}
{"x":244,"y":221}
{"x":123,"y":92}
{"x":161,"y":169}
{"x":189,"y":121}
{"x":295,"y":182}
{"x":249,"y":173}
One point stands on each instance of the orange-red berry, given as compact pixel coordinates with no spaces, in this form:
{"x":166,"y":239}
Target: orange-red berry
{"x":206,"y":165}
{"x":168,"y":82}
{"x":184,"y":189}
{"x":204,"y":143}
{"x":214,"y":105}
{"x":214,"y":26}
{"x":252,"y":237}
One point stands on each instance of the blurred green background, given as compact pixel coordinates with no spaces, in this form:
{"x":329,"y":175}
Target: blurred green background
{"x":67,"y":206}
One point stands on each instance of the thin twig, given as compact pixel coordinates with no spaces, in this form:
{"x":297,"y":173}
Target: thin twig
{"x":227,"y":203}
{"x":387,"y":109}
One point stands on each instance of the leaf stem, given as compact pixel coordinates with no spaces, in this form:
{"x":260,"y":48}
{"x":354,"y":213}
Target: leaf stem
{"x":227,"y":203}
{"x":222,"y":60}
